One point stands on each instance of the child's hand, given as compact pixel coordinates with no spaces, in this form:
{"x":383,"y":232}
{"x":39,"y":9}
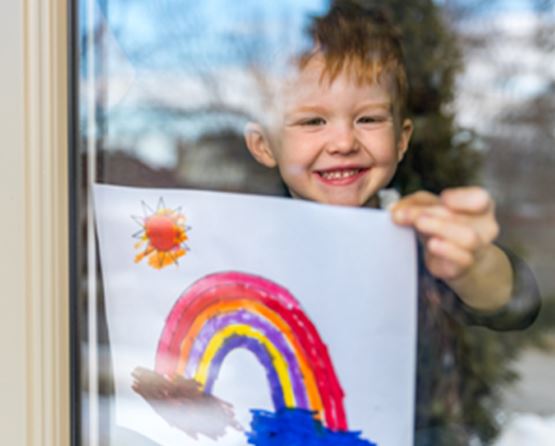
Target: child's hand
{"x":456,"y":227}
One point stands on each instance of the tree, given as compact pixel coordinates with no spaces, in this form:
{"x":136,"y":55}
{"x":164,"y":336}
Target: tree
{"x":441,"y":154}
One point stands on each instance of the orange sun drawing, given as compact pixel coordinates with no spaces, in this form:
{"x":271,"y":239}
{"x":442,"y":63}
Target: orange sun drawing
{"x":162,"y":237}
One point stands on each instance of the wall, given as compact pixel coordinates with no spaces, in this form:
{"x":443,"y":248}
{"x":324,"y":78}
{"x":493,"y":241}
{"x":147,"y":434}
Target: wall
{"x":34,"y":381}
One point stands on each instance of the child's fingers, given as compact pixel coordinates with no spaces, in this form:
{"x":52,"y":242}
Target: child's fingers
{"x":443,"y":269}
{"x":417,"y":198}
{"x":409,"y":215}
{"x":420,"y":198}
{"x":474,"y":200}
{"x":461,"y":234}
{"x":408,"y":209}
{"x":447,"y":260}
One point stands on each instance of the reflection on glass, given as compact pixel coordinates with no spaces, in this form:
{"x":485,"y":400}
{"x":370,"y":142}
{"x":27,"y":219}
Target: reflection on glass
{"x":167,"y":88}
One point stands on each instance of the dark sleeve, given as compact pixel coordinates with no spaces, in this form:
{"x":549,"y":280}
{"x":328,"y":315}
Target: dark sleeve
{"x":518,"y":314}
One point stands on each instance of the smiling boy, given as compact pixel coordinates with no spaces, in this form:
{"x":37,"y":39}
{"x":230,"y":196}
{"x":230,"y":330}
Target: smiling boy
{"x":339,"y":141}
{"x":342,"y":132}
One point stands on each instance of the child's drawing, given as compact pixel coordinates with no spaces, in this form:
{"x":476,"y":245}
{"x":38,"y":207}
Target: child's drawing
{"x":226,"y":311}
{"x":162,"y":237}
{"x":273,"y":332}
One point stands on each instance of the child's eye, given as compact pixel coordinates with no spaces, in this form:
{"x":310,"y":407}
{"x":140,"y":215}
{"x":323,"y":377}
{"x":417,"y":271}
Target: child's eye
{"x":370,"y":119}
{"x":313,"y":121}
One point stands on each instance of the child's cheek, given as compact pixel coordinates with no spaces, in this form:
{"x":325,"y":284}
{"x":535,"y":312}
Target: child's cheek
{"x":387,"y":155}
{"x":292,"y":170}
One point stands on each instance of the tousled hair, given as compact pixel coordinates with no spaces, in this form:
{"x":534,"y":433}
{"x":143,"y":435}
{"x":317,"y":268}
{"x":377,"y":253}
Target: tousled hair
{"x":362,"y":41}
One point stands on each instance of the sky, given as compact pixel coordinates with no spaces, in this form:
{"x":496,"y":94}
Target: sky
{"x":154,"y":50}
{"x":170,"y":34}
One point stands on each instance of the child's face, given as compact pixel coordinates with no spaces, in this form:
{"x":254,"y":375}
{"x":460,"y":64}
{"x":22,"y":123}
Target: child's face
{"x":338,"y":143}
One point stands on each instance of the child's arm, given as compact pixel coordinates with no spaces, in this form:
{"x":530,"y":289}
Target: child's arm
{"x":458,"y":229}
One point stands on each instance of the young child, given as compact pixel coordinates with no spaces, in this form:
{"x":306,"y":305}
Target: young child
{"x":342,"y":132}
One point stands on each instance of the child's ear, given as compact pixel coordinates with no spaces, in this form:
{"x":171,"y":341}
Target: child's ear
{"x":259,"y":145}
{"x":405,"y":134}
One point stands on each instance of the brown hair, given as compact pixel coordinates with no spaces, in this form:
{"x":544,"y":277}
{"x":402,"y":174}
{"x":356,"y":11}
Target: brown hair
{"x":362,"y":41}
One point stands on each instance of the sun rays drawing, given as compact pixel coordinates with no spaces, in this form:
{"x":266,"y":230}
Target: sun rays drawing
{"x":163,"y":235}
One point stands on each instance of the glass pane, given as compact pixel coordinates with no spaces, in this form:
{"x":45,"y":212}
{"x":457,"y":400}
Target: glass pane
{"x":166,"y":90}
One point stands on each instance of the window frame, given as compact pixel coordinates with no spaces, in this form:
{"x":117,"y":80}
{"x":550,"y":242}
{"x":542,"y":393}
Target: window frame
{"x":34,"y":321}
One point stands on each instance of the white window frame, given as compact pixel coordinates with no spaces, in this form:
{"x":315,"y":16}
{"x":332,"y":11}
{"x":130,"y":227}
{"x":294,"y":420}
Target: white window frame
{"x":34,"y":303}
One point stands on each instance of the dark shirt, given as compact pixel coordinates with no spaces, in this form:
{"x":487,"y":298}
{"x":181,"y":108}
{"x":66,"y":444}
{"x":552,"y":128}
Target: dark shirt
{"x":449,"y":383}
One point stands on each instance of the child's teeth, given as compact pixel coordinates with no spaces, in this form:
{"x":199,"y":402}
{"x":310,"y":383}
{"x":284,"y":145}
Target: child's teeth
{"x":339,"y":174}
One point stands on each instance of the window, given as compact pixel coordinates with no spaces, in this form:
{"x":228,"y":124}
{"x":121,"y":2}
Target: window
{"x":165,"y":90}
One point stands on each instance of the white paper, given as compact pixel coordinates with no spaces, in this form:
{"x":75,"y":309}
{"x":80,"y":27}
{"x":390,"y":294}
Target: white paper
{"x":352,"y":271}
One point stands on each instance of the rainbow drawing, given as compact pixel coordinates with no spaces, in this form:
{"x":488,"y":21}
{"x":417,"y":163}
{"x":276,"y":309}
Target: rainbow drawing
{"x":226,"y":311}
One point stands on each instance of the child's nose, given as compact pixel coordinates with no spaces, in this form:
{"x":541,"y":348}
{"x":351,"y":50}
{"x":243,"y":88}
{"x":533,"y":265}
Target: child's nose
{"x":343,"y":140}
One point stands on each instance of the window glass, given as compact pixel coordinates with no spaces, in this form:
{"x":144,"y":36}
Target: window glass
{"x":166,"y":89}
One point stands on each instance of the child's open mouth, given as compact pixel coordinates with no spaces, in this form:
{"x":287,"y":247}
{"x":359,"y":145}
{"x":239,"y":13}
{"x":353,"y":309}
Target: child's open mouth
{"x":342,"y":176}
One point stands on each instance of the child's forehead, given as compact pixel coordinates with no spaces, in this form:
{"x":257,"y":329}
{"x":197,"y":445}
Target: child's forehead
{"x":314,"y":78}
